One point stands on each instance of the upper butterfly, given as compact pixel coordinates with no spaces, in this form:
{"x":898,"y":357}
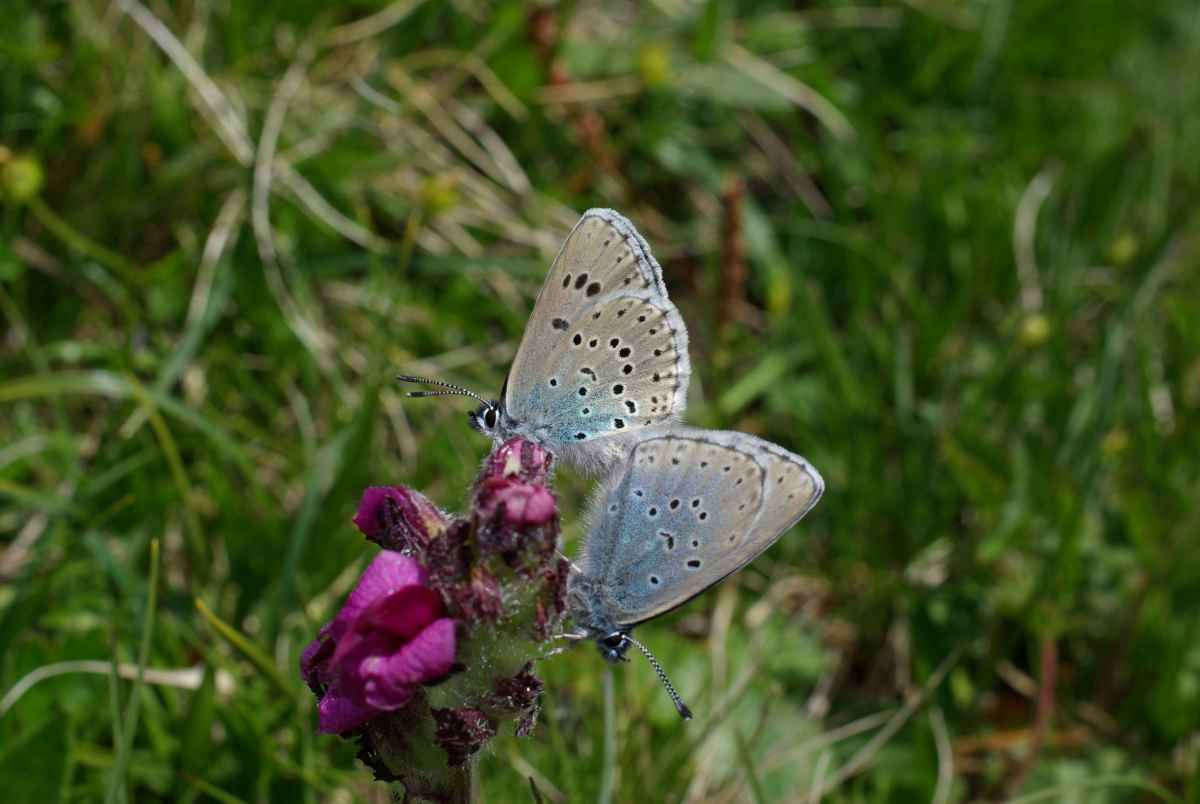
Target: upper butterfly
{"x":604,"y":354}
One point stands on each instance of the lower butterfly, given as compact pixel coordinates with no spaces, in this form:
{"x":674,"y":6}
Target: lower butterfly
{"x":604,"y":355}
{"x":685,"y":509}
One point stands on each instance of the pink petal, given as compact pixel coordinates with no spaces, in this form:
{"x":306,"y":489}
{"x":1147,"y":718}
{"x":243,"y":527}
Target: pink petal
{"x":388,"y":572}
{"x":426,"y":658}
{"x":404,"y":613}
{"x":386,"y":624}
{"x":313,"y":659}
{"x":338,"y":713}
{"x":539,"y":507}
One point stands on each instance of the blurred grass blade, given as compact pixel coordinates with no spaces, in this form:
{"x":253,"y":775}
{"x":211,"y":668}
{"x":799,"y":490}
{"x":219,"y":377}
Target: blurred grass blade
{"x":248,"y":649}
{"x":116,"y":789}
{"x":608,"y":770}
{"x":757,"y":795}
{"x":1071,"y":792}
{"x":108,"y":384}
{"x":754,"y":383}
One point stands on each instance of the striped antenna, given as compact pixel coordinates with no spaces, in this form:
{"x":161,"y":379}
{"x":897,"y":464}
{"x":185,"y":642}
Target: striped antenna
{"x":680,"y":706}
{"x":451,"y":389}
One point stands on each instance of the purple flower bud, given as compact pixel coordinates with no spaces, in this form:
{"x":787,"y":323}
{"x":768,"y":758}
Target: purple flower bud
{"x":461,"y":732}
{"x":524,"y":504}
{"x":398,"y":518}
{"x":479,"y":600}
{"x":520,"y":694}
{"x":520,"y":459}
{"x":389,"y":638}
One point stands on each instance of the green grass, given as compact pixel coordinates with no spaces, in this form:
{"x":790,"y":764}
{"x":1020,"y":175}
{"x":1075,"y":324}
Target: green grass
{"x":972,"y":295}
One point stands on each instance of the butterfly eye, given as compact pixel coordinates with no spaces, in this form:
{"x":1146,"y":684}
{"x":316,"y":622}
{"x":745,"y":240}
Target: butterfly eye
{"x":489,"y":418}
{"x":614,"y":641}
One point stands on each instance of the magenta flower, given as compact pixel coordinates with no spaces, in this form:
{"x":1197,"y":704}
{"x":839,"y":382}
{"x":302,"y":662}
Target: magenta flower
{"x":466,"y":601}
{"x":390,"y":637}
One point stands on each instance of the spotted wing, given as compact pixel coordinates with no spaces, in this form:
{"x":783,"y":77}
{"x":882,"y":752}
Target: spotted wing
{"x":686,"y":510}
{"x":605,"y":350}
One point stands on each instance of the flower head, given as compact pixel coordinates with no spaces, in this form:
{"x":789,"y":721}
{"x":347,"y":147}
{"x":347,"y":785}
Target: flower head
{"x":389,"y":639}
{"x":477,"y":594}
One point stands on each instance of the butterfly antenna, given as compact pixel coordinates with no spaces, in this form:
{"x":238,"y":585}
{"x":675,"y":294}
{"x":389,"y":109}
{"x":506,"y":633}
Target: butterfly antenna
{"x":451,"y":388}
{"x":680,"y":706}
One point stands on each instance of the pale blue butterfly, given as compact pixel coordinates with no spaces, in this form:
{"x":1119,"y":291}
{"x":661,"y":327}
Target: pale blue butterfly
{"x":684,"y":510}
{"x":604,"y":355}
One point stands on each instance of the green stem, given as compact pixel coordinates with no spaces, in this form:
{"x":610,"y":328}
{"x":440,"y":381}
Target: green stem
{"x":77,"y":241}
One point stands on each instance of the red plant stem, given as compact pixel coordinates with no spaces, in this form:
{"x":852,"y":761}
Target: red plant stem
{"x":732,"y":290}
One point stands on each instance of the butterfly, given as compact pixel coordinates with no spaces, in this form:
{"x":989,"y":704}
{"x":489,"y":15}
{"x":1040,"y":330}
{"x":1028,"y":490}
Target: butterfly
{"x":604,"y":355}
{"x":684,"y":510}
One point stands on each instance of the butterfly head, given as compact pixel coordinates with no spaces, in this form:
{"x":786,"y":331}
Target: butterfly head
{"x":613,"y":646}
{"x":486,"y":418}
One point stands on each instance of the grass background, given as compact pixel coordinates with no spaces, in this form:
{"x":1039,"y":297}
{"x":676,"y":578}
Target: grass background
{"x":971,"y":297}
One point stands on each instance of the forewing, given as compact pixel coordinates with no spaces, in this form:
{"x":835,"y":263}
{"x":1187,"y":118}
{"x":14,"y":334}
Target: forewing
{"x":603,"y":323}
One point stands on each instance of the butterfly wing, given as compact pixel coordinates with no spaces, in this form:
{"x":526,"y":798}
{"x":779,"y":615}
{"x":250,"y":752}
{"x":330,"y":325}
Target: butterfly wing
{"x":605,"y":351}
{"x":687,"y":509}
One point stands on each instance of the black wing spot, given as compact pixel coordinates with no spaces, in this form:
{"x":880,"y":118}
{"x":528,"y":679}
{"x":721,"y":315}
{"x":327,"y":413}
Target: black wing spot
{"x":621,"y":312}
{"x":637,"y":492}
{"x":560,"y":323}
{"x":631,"y":406}
{"x":674,"y":504}
{"x":587,"y":372}
{"x":670,"y":542}
{"x":703,"y":515}
{"x":694,"y":563}
{"x":577,"y":340}
{"x":654,"y":580}
{"x":612,"y":509}
{"x":653,"y":331}
{"x":580,"y":436}
{"x":727,"y":468}
{"x":675,"y":461}
{"x":695,"y":542}
{"x":641,"y":319}
{"x":696,"y":503}
{"x":653,"y":511}
{"x":582,"y":391}
{"x":627,"y":368}
{"x":596,"y":315}
{"x":657,"y":376}
{"x":618,"y":389}
{"x":658,"y":352}
{"x":593,"y":343}
{"x":566,"y":280}
{"x":625,"y":352}
{"x":580,"y":281}
{"x":553,"y":382}
{"x":618,"y":423}
{"x":593,"y":289}
{"x":614,"y":343}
